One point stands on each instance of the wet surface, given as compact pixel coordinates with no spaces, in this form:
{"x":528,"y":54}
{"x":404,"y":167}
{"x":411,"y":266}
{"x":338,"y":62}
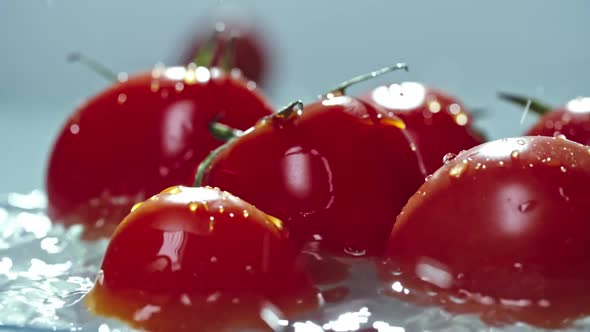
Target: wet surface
{"x":46,"y":271}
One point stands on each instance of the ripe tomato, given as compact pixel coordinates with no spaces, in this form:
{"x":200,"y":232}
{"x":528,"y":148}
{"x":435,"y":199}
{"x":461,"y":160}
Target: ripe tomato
{"x":571,"y":120}
{"x":337,"y":172}
{"x":141,"y":136}
{"x":199,"y":258}
{"x":438,"y":123}
{"x":504,"y":226}
{"x":248,"y":52}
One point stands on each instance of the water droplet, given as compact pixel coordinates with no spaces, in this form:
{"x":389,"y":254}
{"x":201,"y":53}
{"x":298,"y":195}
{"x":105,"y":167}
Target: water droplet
{"x":518,"y":265}
{"x":413,"y":147}
{"x":520,"y":142}
{"x":158,"y":70}
{"x":213,"y":259}
{"x":121,"y":98}
{"x":458,"y":300}
{"x":448,"y":157}
{"x":434,"y":106}
{"x":136,"y":206}
{"x":501,"y":163}
{"x":527,"y":206}
{"x":461,"y":119}
{"x":427,"y":178}
{"x":478,"y":166}
{"x":194,"y":206}
{"x":179,"y":86}
{"x":245,"y":213}
{"x":563,"y":169}
{"x":172,"y":190}
{"x":185,"y":299}
{"x":213,"y":297}
{"x":455,"y":109}
{"x":559,"y":135}
{"x":155,"y":86}
{"x":514,"y":154}
{"x":231,"y":215}
{"x":74,"y":129}
{"x":221,"y":209}
{"x":354,"y":251}
{"x":544,"y":303}
{"x":563,"y":195}
{"x":459,"y":169}
{"x":397,"y":287}
{"x":164,"y":171}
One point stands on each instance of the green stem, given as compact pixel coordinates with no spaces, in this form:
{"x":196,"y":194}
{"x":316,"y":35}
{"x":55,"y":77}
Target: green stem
{"x":533,"y":105}
{"x":223,"y":132}
{"x":341,"y":89}
{"x":227,"y":60}
{"x":205,"y":55}
{"x":93,"y":64}
{"x":286,"y":111}
{"x":204,"y":165}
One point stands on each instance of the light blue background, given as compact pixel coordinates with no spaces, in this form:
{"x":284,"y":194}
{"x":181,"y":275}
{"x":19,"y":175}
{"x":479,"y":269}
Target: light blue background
{"x":472,"y":49}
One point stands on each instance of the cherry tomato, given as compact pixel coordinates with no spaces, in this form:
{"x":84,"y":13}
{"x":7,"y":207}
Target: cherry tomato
{"x":248,"y":52}
{"x":504,"y":226}
{"x":438,"y":123}
{"x":571,"y":120}
{"x":337,"y":172}
{"x":199,"y":258}
{"x":141,"y":136}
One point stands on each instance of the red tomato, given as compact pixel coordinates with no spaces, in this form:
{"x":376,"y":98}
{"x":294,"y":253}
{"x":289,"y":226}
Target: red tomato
{"x":199,"y":258}
{"x":571,"y":120}
{"x":337,"y":172}
{"x":438,"y":123}
{"x":249,"y":53}
{"x":141,"y":136}
{"x":504,"y":226}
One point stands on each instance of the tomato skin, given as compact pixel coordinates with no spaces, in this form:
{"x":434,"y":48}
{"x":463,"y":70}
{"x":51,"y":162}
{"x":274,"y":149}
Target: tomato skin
{"x":198,"y":240}
{"x":198,"y":249}
{"x":504,"y":221}
{"x":571,"y":120}
{"x":437,"y":122}
{"x":337,"y":173}
{"x":141,"y":136}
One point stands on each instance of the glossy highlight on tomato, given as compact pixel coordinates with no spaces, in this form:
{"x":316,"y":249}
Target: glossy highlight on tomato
{"x":336,"y":171}
{"x":191,"y":257}
{"x":140,"y":136}
{"x":504,"y":229}
{"x":438,"y":123}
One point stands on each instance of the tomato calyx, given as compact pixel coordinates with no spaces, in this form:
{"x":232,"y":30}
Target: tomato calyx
{"x":530,"y":104}
{"x":215,"y":52}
